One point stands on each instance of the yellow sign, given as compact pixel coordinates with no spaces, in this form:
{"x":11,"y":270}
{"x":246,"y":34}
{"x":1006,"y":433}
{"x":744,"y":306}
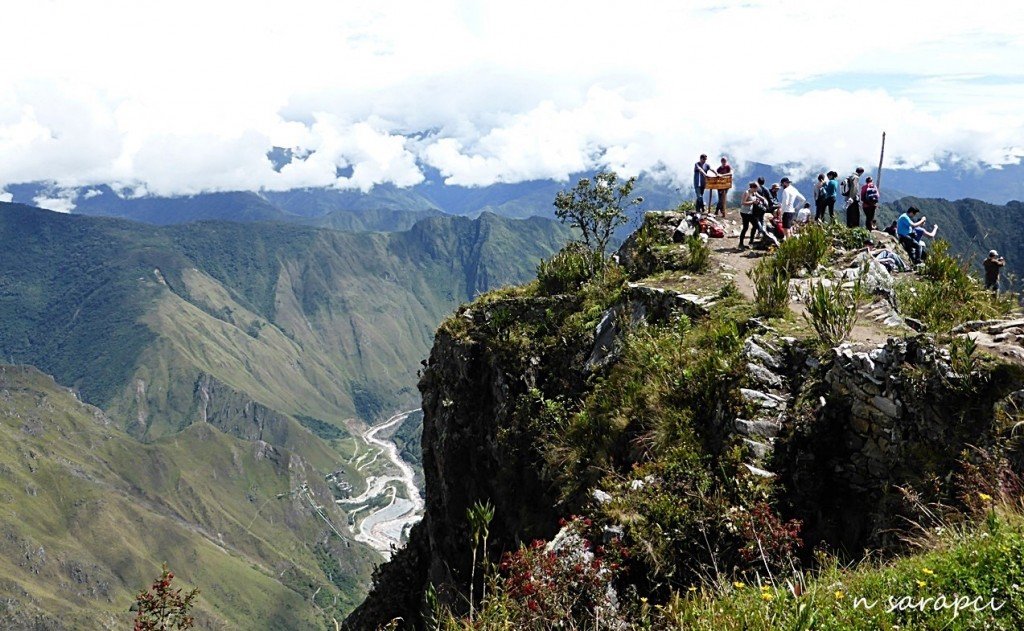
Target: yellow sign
{"x":720,"y":183}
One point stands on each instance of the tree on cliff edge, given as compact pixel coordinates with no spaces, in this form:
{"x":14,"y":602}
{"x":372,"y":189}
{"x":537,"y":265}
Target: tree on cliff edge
{"x":595,"y":207}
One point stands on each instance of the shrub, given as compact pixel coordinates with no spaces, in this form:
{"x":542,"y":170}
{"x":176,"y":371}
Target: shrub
{"x":807,"y":250}
{"x":566,"y":584}
{"x":730,"y":290}
{"x":946,"y":294}
{"x":568,"y":269}
{"x":832,"y":311}
{"x":698,"y":254}
{"x":769,"y":540}
{"x":771,"y":288}
{"x":162,"y":607}
{"x":654,"y":251}
{"x":846,"y":238}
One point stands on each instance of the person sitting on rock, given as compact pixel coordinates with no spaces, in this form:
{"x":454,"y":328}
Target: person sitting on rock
{"x":920,"y":234}
{"x":905,"y":230}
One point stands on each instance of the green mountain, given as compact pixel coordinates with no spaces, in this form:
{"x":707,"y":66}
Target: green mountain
{"x":972,"y":227}
{"x":89,"y":514}
{"x":227,"y":362}
{"x":165,"y":326}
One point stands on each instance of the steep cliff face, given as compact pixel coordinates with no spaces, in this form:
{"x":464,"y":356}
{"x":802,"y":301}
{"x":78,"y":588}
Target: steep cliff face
{"x":479,"y":445}
{"x":669,"y":413}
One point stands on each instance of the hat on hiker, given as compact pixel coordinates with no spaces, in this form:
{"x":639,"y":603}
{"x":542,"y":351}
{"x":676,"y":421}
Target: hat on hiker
{"x":992,"y":254}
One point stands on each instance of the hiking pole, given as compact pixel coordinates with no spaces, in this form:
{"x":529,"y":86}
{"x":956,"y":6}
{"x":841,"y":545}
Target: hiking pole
{"x":878,"y":175}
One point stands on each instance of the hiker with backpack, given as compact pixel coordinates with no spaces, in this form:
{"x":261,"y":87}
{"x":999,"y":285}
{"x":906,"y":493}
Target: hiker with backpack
{"x":819,"y":197}
{"x":767,"y":195}
{"x":752,"y":211}
{"x":869,"y":196}
{"x":850,"y":188}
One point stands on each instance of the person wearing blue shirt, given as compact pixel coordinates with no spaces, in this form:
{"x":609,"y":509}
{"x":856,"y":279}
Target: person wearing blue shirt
{"x":831,"y":195}
{"x":701,"y":169}
{"x":905,"y":233}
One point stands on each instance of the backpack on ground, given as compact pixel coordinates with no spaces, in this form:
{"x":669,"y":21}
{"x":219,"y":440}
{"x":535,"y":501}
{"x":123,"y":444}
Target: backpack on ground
{"x":871,"y":195}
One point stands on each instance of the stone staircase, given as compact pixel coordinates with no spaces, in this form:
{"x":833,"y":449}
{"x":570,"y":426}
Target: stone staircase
{"x":767,"y":398}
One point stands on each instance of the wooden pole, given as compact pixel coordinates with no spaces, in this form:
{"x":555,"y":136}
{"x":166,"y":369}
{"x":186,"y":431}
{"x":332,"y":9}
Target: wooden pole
{"x":878,"y":175}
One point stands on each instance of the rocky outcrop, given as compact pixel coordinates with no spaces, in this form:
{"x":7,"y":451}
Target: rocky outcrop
{"x":829,"y":434}
{"x":478,"y":446}
{"x":880,"y":417}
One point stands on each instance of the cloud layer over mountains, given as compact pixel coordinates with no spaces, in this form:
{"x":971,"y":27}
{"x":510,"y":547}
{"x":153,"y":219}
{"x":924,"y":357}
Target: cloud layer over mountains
{"x":190,"y":96}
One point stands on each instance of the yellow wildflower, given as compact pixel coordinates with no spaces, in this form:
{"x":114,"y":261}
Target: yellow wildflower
{"x":693,"y":588}
{"x":737,"y":585}
{"x":767,"y":596}
{"x":984,"y":497}
{"x":927,"y":571}
{"x":840,"y":595}
{"x":921,"y":583}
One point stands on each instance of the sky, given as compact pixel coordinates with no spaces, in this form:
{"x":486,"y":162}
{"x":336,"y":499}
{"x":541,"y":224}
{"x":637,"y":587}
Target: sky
{"x":176,"y":98}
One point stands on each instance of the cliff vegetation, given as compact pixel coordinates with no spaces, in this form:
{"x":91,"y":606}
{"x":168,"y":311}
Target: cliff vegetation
{"x":690,"y":436}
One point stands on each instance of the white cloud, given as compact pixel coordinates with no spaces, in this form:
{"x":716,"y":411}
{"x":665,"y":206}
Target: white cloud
{"x":62,"y":201}
{"x":186,"y":97}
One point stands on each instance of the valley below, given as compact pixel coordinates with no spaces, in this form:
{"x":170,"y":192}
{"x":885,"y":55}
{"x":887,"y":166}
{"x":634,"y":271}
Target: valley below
{"x":381,"y":515}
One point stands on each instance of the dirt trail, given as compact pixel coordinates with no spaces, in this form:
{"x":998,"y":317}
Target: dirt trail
{"x":729,"y":261}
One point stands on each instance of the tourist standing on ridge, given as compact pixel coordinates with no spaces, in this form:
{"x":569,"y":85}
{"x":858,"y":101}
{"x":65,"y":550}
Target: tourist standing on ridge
{"x":788,"y":204}
{"x":819,"y":197}
{"x":752,"y":211}
{"x":701,"y":170}
{"x":905,"y":233}
{"x":869,"y":197}
{"x":722,"y":170}
{"x":831,"y":195}
{"x":851,"y":191}
{"x":992,"y":265}
{"x":766,"y":194}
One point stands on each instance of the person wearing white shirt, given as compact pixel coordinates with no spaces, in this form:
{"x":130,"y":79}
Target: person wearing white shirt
{"x":790,"y":200}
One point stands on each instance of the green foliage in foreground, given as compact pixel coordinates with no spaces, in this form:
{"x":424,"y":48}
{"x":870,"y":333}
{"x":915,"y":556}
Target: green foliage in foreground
{"x":804,"y":251}
{"x":771,"y":288}
{"x":969,"y":578}
{"x":971,"y":570}
{"x":653,"y":251}
{"x":832,"y":311}
{"x":568,"y":269}
{"x":945,"y":293}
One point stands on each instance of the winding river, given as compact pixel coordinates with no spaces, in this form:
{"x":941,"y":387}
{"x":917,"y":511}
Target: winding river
{"x":382,"y":528}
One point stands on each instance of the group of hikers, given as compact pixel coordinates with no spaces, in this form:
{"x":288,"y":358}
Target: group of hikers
{"x":775,"y":212}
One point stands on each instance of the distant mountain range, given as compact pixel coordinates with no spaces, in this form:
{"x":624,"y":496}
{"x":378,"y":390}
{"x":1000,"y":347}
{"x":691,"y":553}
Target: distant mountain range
{"x":390,"y":208}
{"x":306,"y":321}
